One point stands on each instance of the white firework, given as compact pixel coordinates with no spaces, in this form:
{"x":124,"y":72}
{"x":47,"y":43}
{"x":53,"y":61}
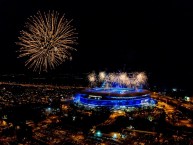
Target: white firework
{"x":92,"y":79}
{"x":123,"y":78}
{"x":47,"y":41}
{"x":118,"y":79}
{"x":102,"y":76}
{"x":141,"y":78}
{"x":112,"y":77}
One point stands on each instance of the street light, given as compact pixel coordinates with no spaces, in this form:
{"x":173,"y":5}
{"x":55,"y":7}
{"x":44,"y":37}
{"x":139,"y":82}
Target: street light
{"x":98,"y":133}
{"x":114,"y":135}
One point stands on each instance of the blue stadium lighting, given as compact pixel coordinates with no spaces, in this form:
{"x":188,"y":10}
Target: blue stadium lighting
{"x":114,"y":97}
{"x":118,"y":90}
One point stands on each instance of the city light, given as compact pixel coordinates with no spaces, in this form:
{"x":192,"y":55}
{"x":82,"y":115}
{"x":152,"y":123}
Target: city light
{"x":114,"y":135}
{"x":187,"y":98}
{"x":98,"y":133}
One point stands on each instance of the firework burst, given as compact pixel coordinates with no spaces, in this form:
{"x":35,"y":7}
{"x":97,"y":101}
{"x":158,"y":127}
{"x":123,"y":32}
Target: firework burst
{"x":92,"y":78}
{"x":141,"y":78}
{"x":121,"y":79}
{"x":47,"y":41}
{"x":112,"y":77}
{"x":102,"y":76}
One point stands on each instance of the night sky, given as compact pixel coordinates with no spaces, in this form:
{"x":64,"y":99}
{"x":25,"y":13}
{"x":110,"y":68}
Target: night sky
{"x":152,"y":36}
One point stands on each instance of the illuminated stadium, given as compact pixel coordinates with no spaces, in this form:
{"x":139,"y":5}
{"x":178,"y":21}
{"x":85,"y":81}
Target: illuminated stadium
{"x":117,"y":90}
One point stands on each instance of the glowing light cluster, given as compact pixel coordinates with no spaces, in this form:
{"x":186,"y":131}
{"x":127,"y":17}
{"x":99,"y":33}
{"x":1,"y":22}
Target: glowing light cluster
{"x":46,"y":41}
{"x":122,"y":79}
{"x":116,"y":102}
{"x":92,"y":78}
{"x":102,"y":76}
{"x":141,"y":78}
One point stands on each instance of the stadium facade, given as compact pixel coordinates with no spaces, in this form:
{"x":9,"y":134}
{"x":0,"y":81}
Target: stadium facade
{"x":114,"y":97}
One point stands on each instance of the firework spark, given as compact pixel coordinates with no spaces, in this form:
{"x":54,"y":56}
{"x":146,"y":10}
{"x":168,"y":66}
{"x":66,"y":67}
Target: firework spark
{"x":112,"y":77}
{"x":141,"y":78}
{"x":119,"y":79}
{"x":47,"y":40}
{"x":123,"y":78}
{"x":92,"y":77}
{"x":102,"y":76}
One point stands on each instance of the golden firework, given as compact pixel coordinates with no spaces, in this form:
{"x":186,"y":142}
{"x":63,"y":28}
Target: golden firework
{"x":47,"y":41}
